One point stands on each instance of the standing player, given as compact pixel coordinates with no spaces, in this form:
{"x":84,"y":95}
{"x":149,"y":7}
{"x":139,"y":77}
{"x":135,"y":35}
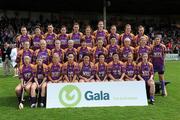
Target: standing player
{"x":101,"y":32}
{"x":89,"y":39}
{"x":141,"y":49}
{"x":86,"y":70}
{"x":130,"y":69}
{"x":24,"y":52}
{"x":43,"y":53}
{"x":127,"y":34}
{"x":116,"y":69}
{"x":126,"y":49}
{"x":112,"y":48}
{"x":55,"y":70}
{"x":58,"y":50}
{"x":76,"y":36}
{"x":83,"y":50}
{"x":70,"y":69}
{"x":26,"y":77}
{"x":158,"y":61}
{"x":63,"y":37}
{"x":139,"y":35}
{"x":50,"y":37}
{"x":145,"y":73}
{"x":99,"y":49}
{"x":114,"y":34}
{"x":101,"y":69}
{"x":40,"y":77}
{"x":36,"y":38}
{"x":23,"y":38}
{"x":70,"y":49}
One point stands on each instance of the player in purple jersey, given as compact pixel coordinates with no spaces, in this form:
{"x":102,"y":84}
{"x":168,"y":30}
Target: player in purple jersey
{"x":86,"y":70}
{"x":158,"y":61}
{"x":40,"y":77}
{"x":126,"y":49}
{"x":70,"y":49}
{"x":43,"y":53}
{"x":89,"y":39}
{"x":130,"y":69}
{"x":116,"y":69}
{"x":142,"y":48}
{"x":50,"y":37}
{"x":112,"y":48}
{"x":58,"y":50}
{"x":70,"y":69}
{"x":82,"y":50}
{"x":63,"y":37}
{"x":145,"y":73}
{"x":114,"y":34}
{"x":101,"y":69}
{"x":26,"y":76}
{"x":55,"y":70}
{"x":76,"y":36}
{"x":101,"y":32}
{"x":36,"y":38}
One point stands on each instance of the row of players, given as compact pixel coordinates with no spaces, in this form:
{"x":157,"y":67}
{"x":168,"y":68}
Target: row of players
{"x":156,"y":51}
{"x":90,"y":37}
{"x":37,"y":76}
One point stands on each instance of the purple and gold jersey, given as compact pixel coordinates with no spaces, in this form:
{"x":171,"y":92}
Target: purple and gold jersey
{"x":130,"y":36}
{"x":124,"y":51}
{"x":64,"y":40}
{"x":21,"y":39}
{"x":89,"y":40}
{"x":145,"y":70}
{"x":86,"y":70}
{"x":50,"y":39}
{"x":140,"y":51}
{"x":116,"y":35}
{"x":60,"y":52}
{"x":130,"y":69}
{"x":22,"y":53}
{"x":82,"y":51}
{"x":43,"y":54}
{"x":26,"y":72}
{"x":36,"y":41}
{"x":40,"y":72}
{"x":116,"y":69}
{"x":97,"y":51}
{"x":72,"y":51}
{"x":111,"y":49}
{"x":54,"y":71}
{"x":76,"y":37}
{"x":102,"y":34}
{"x":101,"y":70}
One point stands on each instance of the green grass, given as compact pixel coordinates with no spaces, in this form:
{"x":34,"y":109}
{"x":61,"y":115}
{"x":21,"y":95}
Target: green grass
{"x":165,"y":108}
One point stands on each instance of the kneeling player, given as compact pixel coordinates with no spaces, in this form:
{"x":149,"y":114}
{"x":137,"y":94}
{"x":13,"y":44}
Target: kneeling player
{"x":55,"y":68}
{"x":116,"y":69}
{"x":26,"y":77}
{"x":130,"y":69}
{"x":145,"y":72}
{"x":40,"y":77}
{"x":86,"y":70}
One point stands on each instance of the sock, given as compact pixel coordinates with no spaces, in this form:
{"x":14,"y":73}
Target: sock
{"x":33,"y":100}
{"x":162,"y":86}
{"x":43,"y":100}
{"x":19,"y":99}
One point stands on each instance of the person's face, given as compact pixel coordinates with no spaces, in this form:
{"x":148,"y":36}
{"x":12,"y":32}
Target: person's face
{"x":143,"y":41}
{"x":76,"y":28}
{"x":116,"y":57}
{"x":101,"y":58}
{"x":37,"y":31}
{"x":100,"y":25}
{"x":100,"y":43}
{"x":83,"y":44}
{"x":145,"y":57}
{"x":27,"y":60}
{"x":23,"y":30}
{"x":50,"y":28}
{"x":43,"y":44}
{"x":6,"y":45}
{"x":130,"y":57}
{"x":63,"y":30}
{"x":70,"y":57}
{"x":39,"y":61}
{"x":55,"y":58}
{"x":157,"y":41}
{"x":127,"y":42}
{"x":70,"y":44}
{"x":86,"y":58}
{"x":57,"y":43}
{"x":128,"y":29}
{"x":141,"y":31}
{"x":88,"y":31}
{"x":26,"y":45}
{"x":113,"y":41}
{"x":113,"y":29}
